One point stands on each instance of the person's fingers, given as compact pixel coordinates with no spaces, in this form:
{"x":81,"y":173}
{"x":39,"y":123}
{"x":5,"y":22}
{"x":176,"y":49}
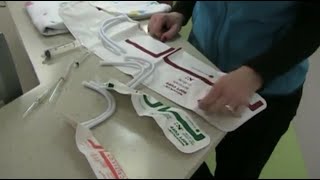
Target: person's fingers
{"x":156,"y":25}
{"x":171,"y":33}
{"x":150,"y":23}
{"x":151,"y":27}
{"x":210,"y":99}
{"x":238,"y":106}
{"x":218,"y":106}
{"x":231,"y":108}
{"x":239,"y":110}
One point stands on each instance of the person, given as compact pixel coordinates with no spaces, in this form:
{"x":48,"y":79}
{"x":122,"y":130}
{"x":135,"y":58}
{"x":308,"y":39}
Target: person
{"x":263,"y":47}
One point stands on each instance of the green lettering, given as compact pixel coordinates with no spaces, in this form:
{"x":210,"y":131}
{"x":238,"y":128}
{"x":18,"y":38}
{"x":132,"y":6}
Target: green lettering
{"x":157,"y":104}
{"x":196,"y":136}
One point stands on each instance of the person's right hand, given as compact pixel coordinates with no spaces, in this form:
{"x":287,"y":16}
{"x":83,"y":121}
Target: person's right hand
{"x":165,"y":26}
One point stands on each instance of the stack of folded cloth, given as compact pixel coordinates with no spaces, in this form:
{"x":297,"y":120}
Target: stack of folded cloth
{"x":45,"y":16}
{"x":133,"y":9}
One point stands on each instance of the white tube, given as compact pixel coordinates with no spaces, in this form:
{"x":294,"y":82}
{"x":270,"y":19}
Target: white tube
{"x":127,"y":64}
{"x":108,"y":112}
{"x":146,"y":72}
{"x":82,"y":59}
{"x":95,"y":121}
{"x":111,"y":45}
{"x":151,"y":68}
{"x":106,"y":25}
{"x":37,"y":102}
{"x":60,"y":82}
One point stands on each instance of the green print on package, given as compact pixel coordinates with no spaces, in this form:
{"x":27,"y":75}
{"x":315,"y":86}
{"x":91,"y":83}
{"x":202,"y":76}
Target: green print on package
{"x":177,"y":126}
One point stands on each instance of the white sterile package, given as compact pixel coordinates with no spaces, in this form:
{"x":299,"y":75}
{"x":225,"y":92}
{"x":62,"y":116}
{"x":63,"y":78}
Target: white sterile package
{"x":175,"y":123}
{"x":45,"y":16}
{"x":103,"y":163}
{"x":134,"y":9}
{"x":177,"y":75}
{"x":184,"y":79}
{"x":84,"y":22}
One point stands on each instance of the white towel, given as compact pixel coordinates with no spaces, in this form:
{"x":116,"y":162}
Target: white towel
{"x":133,"y":9}
{"x":45,"y":16}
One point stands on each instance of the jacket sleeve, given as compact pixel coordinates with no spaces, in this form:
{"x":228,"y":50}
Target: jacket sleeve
{"x":299,"y":43}
{"x":185,"y":8}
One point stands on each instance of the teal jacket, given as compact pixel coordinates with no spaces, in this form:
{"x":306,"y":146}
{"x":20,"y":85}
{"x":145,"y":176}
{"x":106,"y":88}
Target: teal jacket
{"x":229,"y":33}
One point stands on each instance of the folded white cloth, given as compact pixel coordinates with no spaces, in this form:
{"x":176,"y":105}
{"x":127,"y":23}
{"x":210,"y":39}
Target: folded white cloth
{"x":178,"y":76}
{"x":45,"y":16}
{"x":133,"y":9}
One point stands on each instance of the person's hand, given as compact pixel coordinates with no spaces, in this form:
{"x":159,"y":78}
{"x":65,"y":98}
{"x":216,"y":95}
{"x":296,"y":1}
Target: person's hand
{"x":165,"y":26}
{"x":232,"y":92}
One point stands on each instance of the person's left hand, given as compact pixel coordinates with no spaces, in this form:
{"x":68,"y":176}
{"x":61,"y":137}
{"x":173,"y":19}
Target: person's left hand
{"x":232,"y":92}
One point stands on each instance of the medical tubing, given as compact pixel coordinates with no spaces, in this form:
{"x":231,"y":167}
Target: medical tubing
{"x":61,"y":80}
{"x":77,"y":63}
{"x":101,"y":117}
{"x":107,"y":41}
{"x":39,"y":100}
{"x":110,"y":109}
{"x":127,"y":64}
{"x":151,"y":68}
{"x":111,"y":49}
{"x":105,"y":27}
{"x":95,"y":121}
